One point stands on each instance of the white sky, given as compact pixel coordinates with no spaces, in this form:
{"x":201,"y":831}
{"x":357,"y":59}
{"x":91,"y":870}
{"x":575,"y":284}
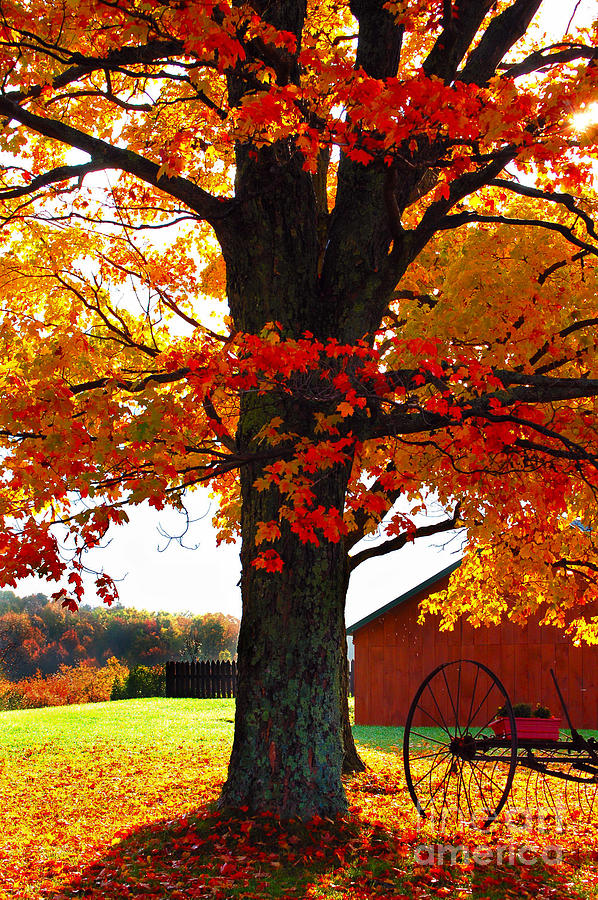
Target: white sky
{"x":200,"y":577}
{"x":205,"y":578}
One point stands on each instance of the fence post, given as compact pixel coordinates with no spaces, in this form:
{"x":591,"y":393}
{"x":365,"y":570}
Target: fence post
{"x":170,"y":678}
{"x":218,"y":678}
{"x":210,"y":672}
{"x":216,"y":671}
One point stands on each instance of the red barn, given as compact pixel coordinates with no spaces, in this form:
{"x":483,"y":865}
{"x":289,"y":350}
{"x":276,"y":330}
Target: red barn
{"x":393,"y":654}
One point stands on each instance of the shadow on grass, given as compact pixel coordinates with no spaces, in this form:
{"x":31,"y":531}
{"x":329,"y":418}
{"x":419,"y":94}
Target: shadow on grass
{"x":222,"y":857}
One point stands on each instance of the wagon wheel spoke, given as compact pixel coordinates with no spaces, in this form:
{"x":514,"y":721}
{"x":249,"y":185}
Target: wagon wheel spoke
{"x":438,"y":762}
{"x":450,"y":696}
{"x":476,"y":775}
{"x":488,"y":776}
{"x":444,"y":724}
{"x":471,"y":715}
{"x":458,"y":703}
{"x":465,"y":780}
{"x":433,"y":719}
{"x":446,"y":786}
{"x":427,"y":737}
{"x":549,"y":794}
{"x":479,"y":708}
{"x":581,"y":797}
{"x":430,"y":755}
{"x":444,"y":783}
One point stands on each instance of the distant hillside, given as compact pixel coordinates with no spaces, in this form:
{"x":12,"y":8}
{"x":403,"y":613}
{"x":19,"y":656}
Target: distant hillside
{"x":36,"y":634}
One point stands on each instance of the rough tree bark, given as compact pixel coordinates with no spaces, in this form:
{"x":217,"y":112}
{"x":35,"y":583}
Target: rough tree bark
{"x":288,"y":746}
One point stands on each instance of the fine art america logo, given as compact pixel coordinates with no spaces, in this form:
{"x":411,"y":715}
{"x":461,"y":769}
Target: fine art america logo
{"x":480,"y":855}
{"x":511,"y":853}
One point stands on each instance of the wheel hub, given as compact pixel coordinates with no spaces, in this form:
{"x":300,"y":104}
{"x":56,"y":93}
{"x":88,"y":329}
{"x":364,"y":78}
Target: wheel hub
{"x":463,"y":746}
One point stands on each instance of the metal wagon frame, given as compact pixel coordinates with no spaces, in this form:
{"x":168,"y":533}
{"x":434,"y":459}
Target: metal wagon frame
{"x":457,"y":767}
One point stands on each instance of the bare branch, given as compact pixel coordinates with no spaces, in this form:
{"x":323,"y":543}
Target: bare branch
{"x":565,"y":200}
{"x":564,"y":332}
{"x":80,"y":66}
{"x":459,"y":189}
{"x":132,"y":387}
{"x":398,"y":542}
{"x":465,"y":218}
{"x":560,"y":265}
{"x":53,"y":176}
{"x":541,"y":60}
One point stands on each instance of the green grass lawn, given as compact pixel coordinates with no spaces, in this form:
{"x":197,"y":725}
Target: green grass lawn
{"x":149,"y":722}
{"x":153,"y":721}
{"x":146,"y":722}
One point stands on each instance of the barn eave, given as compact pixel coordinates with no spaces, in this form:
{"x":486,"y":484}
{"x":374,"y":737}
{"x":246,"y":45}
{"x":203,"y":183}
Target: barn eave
{"x":419,"y":588}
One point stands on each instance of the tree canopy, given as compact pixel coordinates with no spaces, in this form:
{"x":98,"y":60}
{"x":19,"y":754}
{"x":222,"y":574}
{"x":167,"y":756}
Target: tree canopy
{"x":330,"y":259}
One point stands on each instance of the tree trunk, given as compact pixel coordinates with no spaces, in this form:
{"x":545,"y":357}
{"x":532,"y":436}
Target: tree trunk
{"x":289,"y":743}
{"x":287,"y":754}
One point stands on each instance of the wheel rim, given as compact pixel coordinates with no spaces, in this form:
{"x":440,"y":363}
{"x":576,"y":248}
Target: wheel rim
{"x":457,"y":771}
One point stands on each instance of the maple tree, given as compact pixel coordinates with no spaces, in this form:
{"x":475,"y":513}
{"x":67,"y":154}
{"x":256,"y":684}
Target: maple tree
{"x":391,"y":204}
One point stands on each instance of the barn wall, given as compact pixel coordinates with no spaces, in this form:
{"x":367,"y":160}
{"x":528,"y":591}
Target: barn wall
{"x":393,"y":654}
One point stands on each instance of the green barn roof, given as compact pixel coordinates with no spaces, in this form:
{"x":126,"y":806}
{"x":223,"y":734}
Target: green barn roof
{"x":393,"y":603}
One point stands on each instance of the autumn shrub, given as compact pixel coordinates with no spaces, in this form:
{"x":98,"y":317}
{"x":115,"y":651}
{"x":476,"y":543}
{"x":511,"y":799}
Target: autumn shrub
{"x":84,"y":683}
{"x":11,"y":695}
{"x":140,"y":681}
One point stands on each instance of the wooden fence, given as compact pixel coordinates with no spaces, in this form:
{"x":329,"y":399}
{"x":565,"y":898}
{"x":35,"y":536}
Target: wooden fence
{"x":209,"y":678}
{"x":212,"y":678}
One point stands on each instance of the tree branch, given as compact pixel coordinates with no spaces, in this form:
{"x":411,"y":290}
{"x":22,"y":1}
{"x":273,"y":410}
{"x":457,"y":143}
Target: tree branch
{"x":407,"y":419}
{"x":502,"y":32}
{"x":565,"y":200}
{"x":80,"y":66}
{"x":564,"y":332}
{"x":458,"y":32}
{"x":460,"y":188}
{"x":538,"y":61}
{"x":208,"y":207}
{"x":401,"y":540}
{"x":132,"y":387}
{"x":560,"y":265}
{"x":362,"y":516}
{"x":465,"y":218}
{"x":53,"y":176}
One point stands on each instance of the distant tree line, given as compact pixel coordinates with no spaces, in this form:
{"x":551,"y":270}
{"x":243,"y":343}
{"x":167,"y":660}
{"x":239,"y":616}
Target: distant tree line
{"x":37,"y":635}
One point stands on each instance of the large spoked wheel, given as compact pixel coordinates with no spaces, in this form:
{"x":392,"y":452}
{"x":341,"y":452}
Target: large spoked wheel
{"x":457,"y":770}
